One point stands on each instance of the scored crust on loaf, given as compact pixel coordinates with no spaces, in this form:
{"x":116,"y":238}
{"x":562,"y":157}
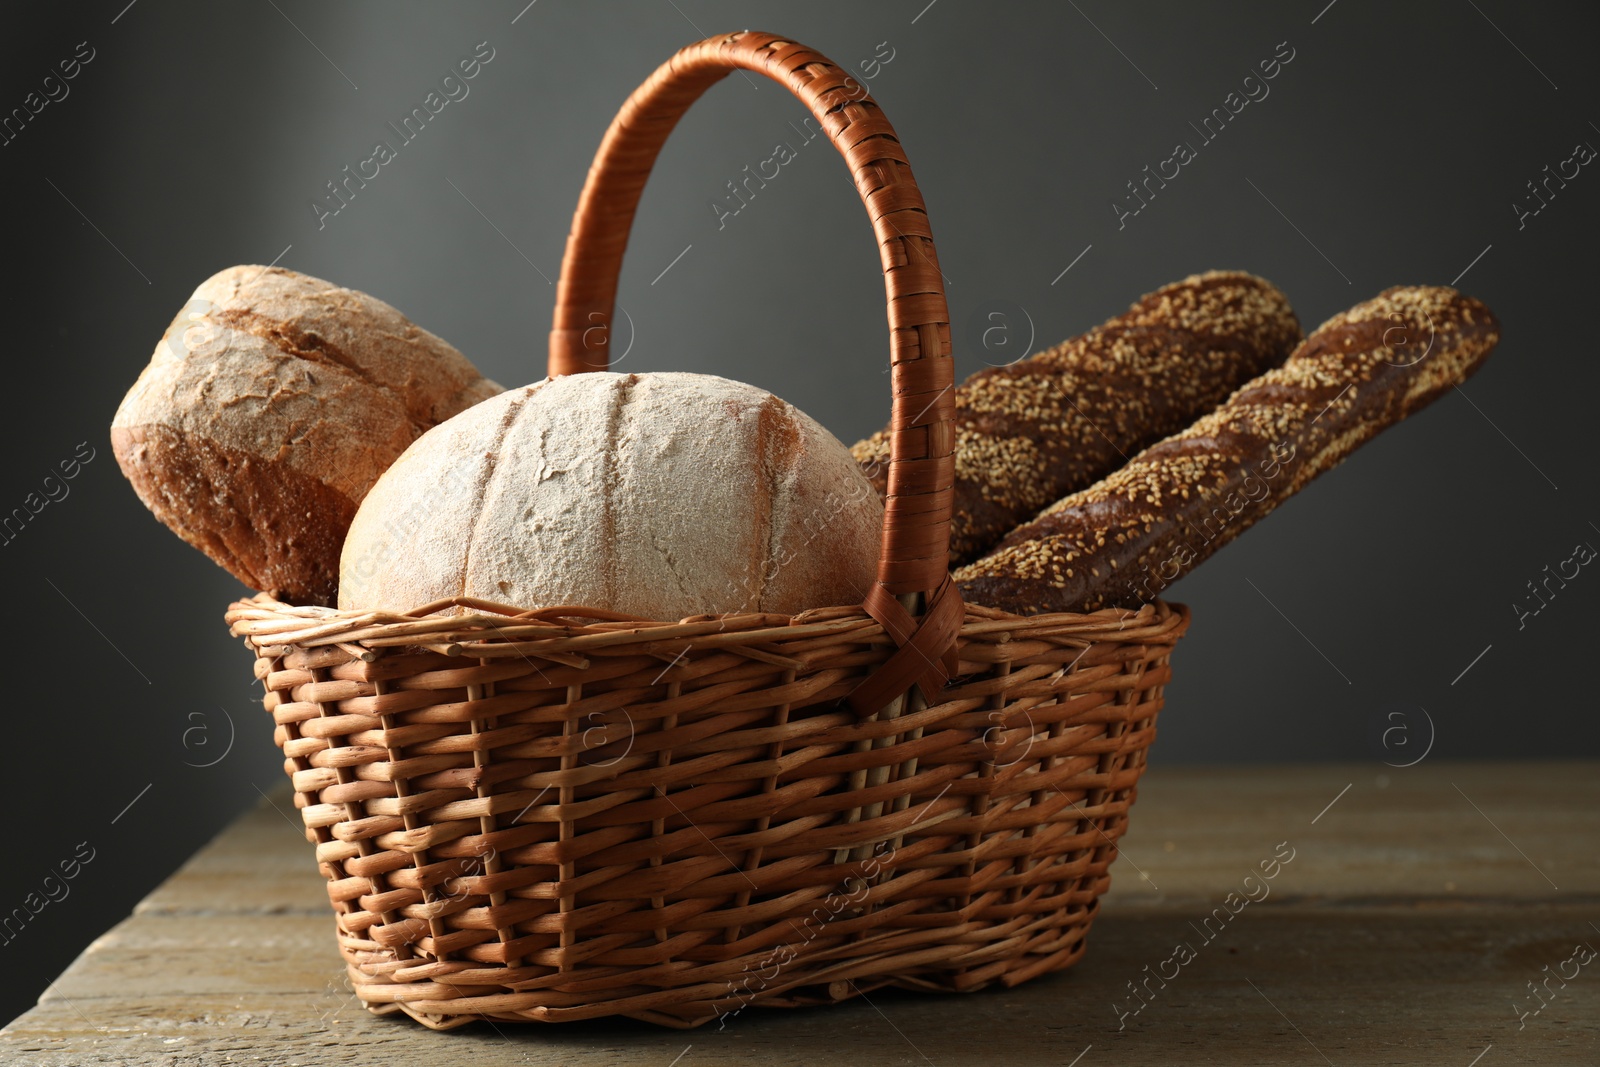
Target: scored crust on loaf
{"x":268,"y":410}
{"x":319,"y":322}
{"x":1124,"y":539}
{"x":660,"y":495}
{"x":1031,"y":431}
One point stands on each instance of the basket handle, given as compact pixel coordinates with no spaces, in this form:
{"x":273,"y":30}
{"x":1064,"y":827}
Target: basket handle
{"x":914,"y":561}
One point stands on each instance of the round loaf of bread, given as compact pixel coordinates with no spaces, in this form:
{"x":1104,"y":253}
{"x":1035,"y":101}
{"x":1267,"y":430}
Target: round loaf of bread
{"x":270,"y":407}
{"x":660,"y":495}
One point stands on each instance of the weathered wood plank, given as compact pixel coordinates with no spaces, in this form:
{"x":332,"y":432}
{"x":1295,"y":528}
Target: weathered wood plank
{"x":1194,"y":832}
{"x":1532,"y":835}
{"x":1415,"y":912}
{"x":1417,"y":985}
{"x":262,"y":864}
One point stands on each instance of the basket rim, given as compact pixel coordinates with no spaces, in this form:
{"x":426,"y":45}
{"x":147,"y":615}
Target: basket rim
{"x":466,"y":626}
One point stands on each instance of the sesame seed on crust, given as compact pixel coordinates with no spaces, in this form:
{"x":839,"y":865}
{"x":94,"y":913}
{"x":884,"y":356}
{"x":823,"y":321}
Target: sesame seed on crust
{"x":1035,"y":430}
{"x":1153,"y":520}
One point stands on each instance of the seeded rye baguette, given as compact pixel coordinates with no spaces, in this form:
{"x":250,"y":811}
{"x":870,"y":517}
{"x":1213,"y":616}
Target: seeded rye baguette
{"x":1032,"y":431}
{"x":1123,"y":540}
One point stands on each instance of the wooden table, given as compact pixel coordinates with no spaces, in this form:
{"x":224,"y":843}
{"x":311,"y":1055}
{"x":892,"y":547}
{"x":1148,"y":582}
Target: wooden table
{"x":1419,"y":911}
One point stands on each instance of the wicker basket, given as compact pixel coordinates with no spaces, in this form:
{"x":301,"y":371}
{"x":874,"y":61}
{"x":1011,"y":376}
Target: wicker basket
{"x":566,"y":813}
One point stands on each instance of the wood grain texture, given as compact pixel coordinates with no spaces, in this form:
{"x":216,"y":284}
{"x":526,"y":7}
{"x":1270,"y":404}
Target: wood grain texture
{"x":1410,"y":920}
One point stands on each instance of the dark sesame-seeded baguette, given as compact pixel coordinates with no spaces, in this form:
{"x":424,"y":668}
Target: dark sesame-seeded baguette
{"x":1122,"y":541}
{"x":1032,"y":431}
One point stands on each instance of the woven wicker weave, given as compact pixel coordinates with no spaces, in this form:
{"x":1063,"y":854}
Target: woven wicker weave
{"x":566,"y":813}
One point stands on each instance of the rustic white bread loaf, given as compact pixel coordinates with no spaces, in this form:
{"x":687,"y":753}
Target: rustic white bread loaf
{"x":661,"y":495}
{"x":270,"y":408}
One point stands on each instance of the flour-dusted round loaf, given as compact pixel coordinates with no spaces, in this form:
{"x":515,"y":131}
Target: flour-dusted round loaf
{"x":268,"y":410}
{"x":660,"y":495}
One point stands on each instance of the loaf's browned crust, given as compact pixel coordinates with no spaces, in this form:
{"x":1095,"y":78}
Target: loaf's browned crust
{"x":1029,"y":432}
{"x":268,"y":410}
{"x":267,"y":524}
{"x":1125,"y":539}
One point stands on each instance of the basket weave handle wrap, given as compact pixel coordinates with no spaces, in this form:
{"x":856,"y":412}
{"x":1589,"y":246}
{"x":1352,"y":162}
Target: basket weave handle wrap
{"x":915,"y":554}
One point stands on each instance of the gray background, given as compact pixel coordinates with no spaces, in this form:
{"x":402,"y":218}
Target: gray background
{"x":1396,"y":141}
